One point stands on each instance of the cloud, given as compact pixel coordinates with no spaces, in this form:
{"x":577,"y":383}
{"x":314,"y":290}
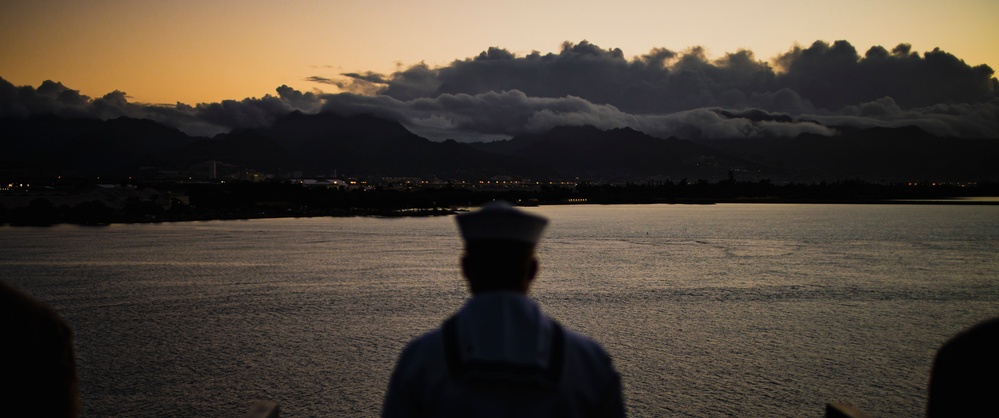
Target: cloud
{"x":367,"y":84}
{"x":666,"y":92}
{"x":49,"y":98}
{"x":497,"y":94}
{"x":321,"y":80}
{"x":657,"y":82}
{"x":504,"y":114}
{"x":308,"y":102}
{"x":825,"y":76}
{"x":835,"y":76}
{"x":970,"y":120}
{"x":258,"y":112}
{"x":204,"y":119}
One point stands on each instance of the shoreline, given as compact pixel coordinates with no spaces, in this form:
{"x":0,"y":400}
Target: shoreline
{"x":102,"y":221}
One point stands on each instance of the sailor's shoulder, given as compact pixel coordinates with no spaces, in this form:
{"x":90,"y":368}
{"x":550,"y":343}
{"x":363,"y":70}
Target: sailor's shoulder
{"x":582,"y":348}
{"x":426,"y":350}
{"x":430,"y":340}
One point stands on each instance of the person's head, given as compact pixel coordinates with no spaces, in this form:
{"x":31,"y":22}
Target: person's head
{"x":963,"y":378}
{"x":499,"y":248}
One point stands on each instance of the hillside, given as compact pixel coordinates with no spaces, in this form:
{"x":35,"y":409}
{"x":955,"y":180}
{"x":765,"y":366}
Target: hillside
{"x":325,"y":144}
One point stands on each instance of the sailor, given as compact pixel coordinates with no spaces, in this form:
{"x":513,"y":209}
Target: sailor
{"x":37,"y":365}
{"x":500,"y":355}
{"x":963,"y":379}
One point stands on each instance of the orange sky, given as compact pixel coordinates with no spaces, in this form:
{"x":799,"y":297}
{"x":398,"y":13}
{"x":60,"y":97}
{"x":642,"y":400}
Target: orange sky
{"x":206,"y":51}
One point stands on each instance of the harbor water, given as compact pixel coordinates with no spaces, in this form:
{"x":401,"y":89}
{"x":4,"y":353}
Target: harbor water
{"x":707,"y":310}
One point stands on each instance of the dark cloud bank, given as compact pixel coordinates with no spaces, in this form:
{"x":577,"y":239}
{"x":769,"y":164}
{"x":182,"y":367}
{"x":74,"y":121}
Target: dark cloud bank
{"x":820,"y":90}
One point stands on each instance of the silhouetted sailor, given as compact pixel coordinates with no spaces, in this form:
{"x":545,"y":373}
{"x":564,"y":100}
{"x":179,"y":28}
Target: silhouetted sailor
{"x":965,"y":377}
{"x":37,"y":366}
{"x":499,"y":355}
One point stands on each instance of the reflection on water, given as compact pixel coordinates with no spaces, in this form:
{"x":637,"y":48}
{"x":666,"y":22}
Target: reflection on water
{"x":756,"y":310}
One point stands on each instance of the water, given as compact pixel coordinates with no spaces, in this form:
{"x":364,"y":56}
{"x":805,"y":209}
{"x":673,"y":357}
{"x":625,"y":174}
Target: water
{"x":753,"y":310}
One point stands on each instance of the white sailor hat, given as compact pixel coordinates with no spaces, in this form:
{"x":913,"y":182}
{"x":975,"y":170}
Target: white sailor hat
{"x":498,"y":220}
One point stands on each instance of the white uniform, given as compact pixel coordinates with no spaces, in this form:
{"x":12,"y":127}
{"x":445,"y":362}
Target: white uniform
{"x":500,"y":356}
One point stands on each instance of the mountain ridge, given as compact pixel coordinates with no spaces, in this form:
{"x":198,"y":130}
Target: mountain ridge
{"x":326,"y":143}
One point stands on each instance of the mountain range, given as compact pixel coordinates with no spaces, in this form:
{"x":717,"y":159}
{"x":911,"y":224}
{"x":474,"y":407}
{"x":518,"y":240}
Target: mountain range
{"x":366,"y":146}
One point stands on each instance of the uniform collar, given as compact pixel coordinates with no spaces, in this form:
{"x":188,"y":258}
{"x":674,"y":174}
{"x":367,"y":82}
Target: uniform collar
{"x":506,"y":327}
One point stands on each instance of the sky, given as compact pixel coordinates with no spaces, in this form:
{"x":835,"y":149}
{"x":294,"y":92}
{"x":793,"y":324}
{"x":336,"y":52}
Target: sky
{"x":207,"y":51}
{"x":416,"y":61}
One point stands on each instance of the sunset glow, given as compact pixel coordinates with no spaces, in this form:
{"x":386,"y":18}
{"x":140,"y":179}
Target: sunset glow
{"x":193,"y":52}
